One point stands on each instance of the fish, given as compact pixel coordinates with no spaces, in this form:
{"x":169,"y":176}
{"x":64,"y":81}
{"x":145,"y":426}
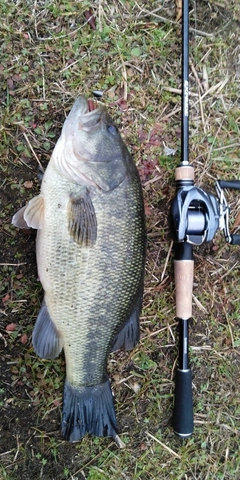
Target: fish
{"x":90,"y":250}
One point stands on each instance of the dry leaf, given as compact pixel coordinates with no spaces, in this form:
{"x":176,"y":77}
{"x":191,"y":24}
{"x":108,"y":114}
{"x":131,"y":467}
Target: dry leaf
{"x":6,"y":298}
{"x":28,"y":184}
{"x":11,"y":327}
{"x":205,"y":83}
{"x":147,"y":210}
{"x":90,"y":19}
{"x":10,"y":83}
{"x":178,"y":10}
{"x":24,"y":339}
{"x":237,"y":221}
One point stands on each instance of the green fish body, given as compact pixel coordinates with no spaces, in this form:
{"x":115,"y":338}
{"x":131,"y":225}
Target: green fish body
{"x":90,"y":256}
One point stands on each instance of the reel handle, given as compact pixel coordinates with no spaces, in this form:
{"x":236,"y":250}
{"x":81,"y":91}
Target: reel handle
{"x":233,"y":239}
{"x":235,"y":184}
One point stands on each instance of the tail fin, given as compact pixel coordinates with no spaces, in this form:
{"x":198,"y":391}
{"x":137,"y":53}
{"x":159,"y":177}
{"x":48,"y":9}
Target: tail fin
{"x":88,"y":410}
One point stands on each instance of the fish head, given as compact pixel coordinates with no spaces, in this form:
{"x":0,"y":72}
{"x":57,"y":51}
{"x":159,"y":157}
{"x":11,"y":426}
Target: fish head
{"x":92,"y":150}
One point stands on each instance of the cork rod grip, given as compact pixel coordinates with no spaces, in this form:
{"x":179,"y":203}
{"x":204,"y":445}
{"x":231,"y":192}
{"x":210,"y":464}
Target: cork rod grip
{"x":185,"y":172}
{"x":183,"y":272}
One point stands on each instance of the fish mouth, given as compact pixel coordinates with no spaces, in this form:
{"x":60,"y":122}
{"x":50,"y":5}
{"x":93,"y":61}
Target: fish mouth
{"x":86,"y":113}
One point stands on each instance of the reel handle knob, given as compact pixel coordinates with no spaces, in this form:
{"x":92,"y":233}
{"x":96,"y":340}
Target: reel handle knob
{"x":234,"y":239}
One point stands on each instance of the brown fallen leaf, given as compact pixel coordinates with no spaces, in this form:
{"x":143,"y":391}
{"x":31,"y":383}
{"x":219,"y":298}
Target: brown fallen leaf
{"x":24,"y":338}
{"x":237,"y":221}
{"x":147,"y":210}
{"x":11,"y":327}
{"x":19,"y":276}
{"x":6,"y":298}
{"x":178,"y":10}
{"x":141,"y":134}
{"x":28,"y":184}
{"x":10,"y":83}
{"x":88,"y":14}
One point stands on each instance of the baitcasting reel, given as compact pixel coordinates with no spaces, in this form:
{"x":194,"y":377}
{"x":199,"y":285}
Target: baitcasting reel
{"x":195,"y":214}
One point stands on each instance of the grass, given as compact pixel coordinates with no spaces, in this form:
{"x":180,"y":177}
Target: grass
{"x":49,"y":55}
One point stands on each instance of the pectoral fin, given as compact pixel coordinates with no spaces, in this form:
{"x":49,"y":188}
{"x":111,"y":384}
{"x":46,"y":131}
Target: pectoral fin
{"x":31,"y":215}
{"x":18,"y":218}
{"x":46,"y":340}
{"x":82,"y":223}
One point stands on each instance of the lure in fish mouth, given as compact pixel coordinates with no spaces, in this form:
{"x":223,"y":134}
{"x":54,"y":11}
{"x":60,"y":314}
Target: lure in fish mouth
{"x":87,"y":113}
{"x":90,"y":247}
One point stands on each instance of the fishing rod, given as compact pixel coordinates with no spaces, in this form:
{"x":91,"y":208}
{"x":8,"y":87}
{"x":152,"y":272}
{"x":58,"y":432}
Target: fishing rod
{"x":195,"y":216}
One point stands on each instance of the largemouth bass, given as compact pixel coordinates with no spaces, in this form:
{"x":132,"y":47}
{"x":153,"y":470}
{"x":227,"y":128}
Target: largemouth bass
{"x":90,"y":255}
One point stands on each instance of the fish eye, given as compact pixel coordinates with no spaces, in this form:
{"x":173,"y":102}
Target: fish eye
{"x":112,"y":129}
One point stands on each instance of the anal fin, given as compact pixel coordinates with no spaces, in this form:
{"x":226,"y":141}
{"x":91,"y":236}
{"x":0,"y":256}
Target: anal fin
{"x":128,"y":337}
{"x":88,"y":409}
{"x":46,"y":340}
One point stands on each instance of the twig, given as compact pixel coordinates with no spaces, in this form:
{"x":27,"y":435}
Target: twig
{"x":233,"y":145}
{"x":32,"y":150}
{"x":12,"y":264}
{"x":196,"y":76}
{"x":124,"y":76}
{"x":175,"y":110}
{"x":214,"y":89}
{"x":168,"y":327}
{"x":163,"y":445}
{"x":201,"y":111}
{"x":156,"y":261}
{"x":171,"y":332}
{"x":128,"y":64}
{"x":225,"y":274}
{"x":7,"y":453}
{"x":173,"y":369}
{"x":18,"y":448}
{"x":199,"y":305}
{"x":119,"y":442}
{"x":3,"y":338}
{"x":178,"y":91}
{"x":100,"y":13}
{"x":167,"y":259}
{"x":203,"y":347}
{"x":168,"y":20}
{"x":73,"y":63}
{"x":153,"y":180}
{"x":65,"y":35}
{"x":229,"y":326}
